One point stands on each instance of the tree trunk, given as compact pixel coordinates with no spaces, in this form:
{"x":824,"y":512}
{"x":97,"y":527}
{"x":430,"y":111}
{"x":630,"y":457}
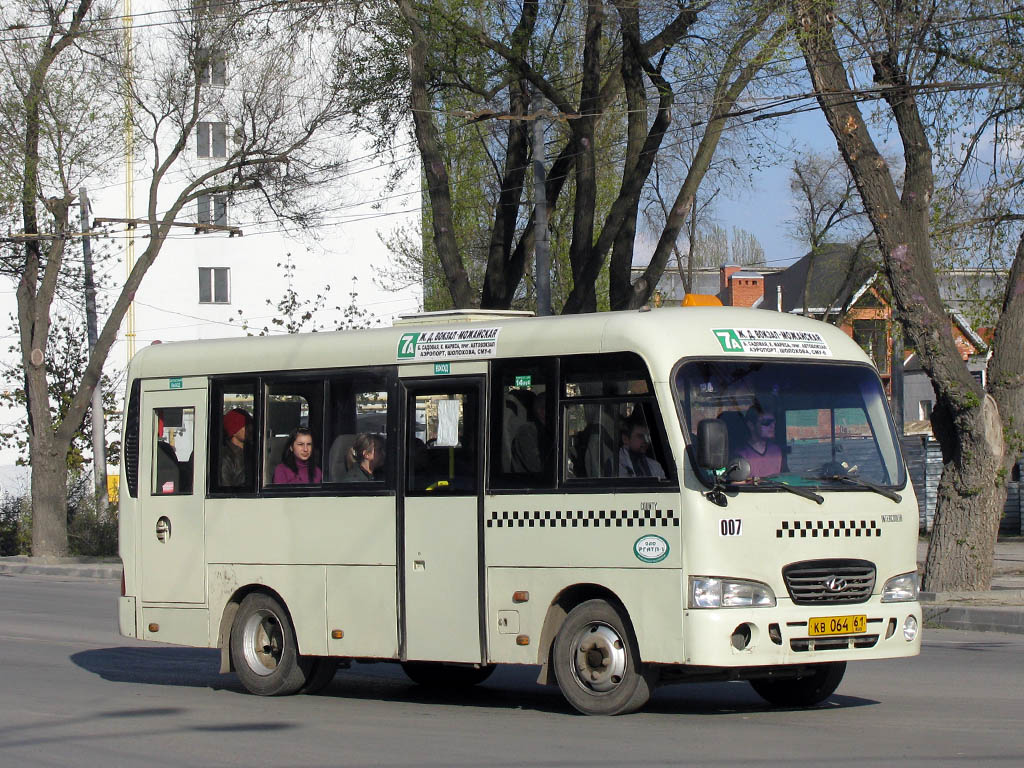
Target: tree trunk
{"x":584,"y":129}
{"x":966,"y":422}
{"x":434,"y":169}
{"x":49,"y":498}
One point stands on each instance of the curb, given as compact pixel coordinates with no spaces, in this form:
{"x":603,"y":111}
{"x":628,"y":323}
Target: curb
{"x":26,"y":566}
{"x":975,"y":617}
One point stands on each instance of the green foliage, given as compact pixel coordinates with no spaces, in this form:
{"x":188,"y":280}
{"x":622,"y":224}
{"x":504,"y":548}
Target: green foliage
{"x":92,"y":532}
{"x":15,"y":526}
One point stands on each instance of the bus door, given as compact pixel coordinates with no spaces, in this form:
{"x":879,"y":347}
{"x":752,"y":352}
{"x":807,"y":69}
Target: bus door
{"x":172,"y":485}
{"x":441,"y":533}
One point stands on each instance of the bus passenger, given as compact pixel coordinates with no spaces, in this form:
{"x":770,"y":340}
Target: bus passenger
{"x":633,"y":458}
{"x":367,"y":456}
{"x":761,"y":450}
{"x":234,"y":463}
{"x":297,"y":463}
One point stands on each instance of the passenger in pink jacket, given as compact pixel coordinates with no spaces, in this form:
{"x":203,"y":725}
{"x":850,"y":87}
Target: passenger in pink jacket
{"x":297,"y":462}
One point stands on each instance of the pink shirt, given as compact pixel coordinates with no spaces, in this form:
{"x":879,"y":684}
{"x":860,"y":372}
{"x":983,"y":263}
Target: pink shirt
{"x":284,"y":475}
{"x":762,"y":464}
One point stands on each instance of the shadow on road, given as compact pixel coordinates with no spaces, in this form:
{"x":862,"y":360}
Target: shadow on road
{"x":195,"y":667}
{"x":509,"y":687}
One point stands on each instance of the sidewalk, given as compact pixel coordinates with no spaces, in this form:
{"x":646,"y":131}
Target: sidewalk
{"x":999,"y":610}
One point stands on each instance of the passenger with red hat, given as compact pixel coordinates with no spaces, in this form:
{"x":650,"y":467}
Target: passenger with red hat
{"x":234,"y":468}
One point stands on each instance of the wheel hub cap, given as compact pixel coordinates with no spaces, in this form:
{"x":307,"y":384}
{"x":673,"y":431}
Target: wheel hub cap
{"x":599,"y":658}
{"x":262,"y":642}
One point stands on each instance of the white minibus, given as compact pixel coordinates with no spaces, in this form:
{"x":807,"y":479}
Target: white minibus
{"x":624,"y":500}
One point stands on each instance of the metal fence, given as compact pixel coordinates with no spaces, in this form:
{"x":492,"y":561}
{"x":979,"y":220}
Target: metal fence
{"x":924,"y":463}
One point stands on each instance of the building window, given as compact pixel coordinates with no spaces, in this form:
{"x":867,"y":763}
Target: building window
{"x":213,"y":209}
{"x":925,"y":409}
{"x":214,"y":285}
{"x":212,"y":140}
{"x":211,"y":66}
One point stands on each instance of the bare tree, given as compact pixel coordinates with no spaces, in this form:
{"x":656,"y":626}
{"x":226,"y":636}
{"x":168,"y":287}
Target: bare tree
{"x":235,"y":99}
{"x":828,"y":207}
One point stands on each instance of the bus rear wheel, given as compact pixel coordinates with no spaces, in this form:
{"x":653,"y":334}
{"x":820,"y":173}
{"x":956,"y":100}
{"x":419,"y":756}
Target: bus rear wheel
{"x":264,"y":652}
{"x":597,"y":664}
{"x":803,"y":691}
{"x":432,"y":674}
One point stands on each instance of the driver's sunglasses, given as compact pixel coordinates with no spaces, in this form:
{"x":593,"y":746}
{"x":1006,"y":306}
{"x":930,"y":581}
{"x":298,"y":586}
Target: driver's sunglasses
{"x":767,"y":422}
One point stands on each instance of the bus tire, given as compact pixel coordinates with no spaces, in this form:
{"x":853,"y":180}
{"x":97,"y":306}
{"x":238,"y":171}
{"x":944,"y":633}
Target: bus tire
{"x":264,"y":652}
{"x":320,"y":675}
{"x":433,"y":674}
{"x":597,"y":663}
{"x":802,"y":691}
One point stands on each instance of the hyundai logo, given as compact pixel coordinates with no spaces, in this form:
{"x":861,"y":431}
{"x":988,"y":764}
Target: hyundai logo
{"x":835,"y":584}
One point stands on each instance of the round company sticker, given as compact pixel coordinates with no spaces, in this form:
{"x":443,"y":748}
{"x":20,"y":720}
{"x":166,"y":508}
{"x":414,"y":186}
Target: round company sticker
{"x":650,"y":549}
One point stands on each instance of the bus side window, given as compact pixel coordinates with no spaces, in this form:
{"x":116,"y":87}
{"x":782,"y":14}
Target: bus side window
{"x":291,"y":405}
{"x":173,"y":431}
{"x":612,"y":428}
{"x":234,"y":433}
{"x":523,"y":415}
{"x":357,"y":405}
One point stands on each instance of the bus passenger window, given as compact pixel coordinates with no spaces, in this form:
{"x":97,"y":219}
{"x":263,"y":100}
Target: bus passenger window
{"x":357,"y":425}
{"x":173,"y":443}
{"x":234,"y":435}
{"x":294,"y":417}
{"x":522,"y":423}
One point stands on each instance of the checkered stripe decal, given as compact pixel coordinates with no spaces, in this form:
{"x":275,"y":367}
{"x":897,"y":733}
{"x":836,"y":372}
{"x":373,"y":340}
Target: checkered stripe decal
{"x":583,"y":518}
{"x":828,"y":528}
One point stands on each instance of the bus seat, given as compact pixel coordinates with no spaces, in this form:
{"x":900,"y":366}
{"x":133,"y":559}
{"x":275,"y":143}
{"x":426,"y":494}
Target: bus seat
{"x":517,"y":411}
{"x":598,"y":451}
{"x":339,"y":457}
{"x":736,"y":426}
{"x":168,"y":470}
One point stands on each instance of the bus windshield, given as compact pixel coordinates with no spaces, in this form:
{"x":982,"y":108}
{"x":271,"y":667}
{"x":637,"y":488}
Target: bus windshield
{"x":808,"y":424}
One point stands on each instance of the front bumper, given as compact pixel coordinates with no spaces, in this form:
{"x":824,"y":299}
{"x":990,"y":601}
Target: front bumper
{"x":750,"y":637}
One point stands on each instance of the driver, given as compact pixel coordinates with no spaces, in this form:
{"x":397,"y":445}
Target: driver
{"x":761,"y":450}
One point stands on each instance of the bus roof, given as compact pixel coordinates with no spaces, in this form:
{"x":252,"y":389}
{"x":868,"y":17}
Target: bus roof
{"x":660,"y":336}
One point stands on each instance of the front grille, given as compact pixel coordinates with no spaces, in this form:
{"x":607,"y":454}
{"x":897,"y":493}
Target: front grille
{"x":829,"y":582}
{"x":802,"y":644}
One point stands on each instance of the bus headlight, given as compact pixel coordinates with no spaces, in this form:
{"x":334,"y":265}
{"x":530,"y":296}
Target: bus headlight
{"x":900,"y":589}
{"x":711,"y":592}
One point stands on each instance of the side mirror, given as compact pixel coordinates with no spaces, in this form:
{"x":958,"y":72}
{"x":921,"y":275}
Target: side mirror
{"x":738,"y":471}
{"x":712,"y":444}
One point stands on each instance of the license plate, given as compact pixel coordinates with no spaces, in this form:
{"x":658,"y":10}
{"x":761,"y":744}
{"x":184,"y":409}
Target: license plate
{"x":837,"y":625}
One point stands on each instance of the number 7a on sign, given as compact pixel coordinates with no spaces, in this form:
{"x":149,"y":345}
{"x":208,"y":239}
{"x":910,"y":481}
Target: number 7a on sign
{"x":728,"y":339}
{"x":407,"y":345}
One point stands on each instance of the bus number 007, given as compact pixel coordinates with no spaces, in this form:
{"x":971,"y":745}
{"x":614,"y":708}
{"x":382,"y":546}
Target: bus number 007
{"x":730,"y":526}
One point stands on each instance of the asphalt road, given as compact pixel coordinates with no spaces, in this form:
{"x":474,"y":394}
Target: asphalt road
{"x":75,"y":693}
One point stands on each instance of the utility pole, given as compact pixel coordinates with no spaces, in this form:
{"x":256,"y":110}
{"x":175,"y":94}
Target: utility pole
{"x":542,"y":256}
{"x":99,"y":442}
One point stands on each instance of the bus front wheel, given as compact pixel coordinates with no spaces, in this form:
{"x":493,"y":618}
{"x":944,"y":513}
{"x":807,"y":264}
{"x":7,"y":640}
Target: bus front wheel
{"x":804,"y":691}
{"x":264,"y":652}
{"x":597,"y":662}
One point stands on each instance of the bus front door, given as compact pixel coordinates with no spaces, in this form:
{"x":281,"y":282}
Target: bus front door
{"x":171,"y":490}
{"x":441,"y":544}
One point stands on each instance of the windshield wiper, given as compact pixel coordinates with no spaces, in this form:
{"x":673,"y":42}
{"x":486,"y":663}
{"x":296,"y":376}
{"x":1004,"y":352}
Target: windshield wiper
{"x":791,"y":488}
{"x":865,"y":484}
